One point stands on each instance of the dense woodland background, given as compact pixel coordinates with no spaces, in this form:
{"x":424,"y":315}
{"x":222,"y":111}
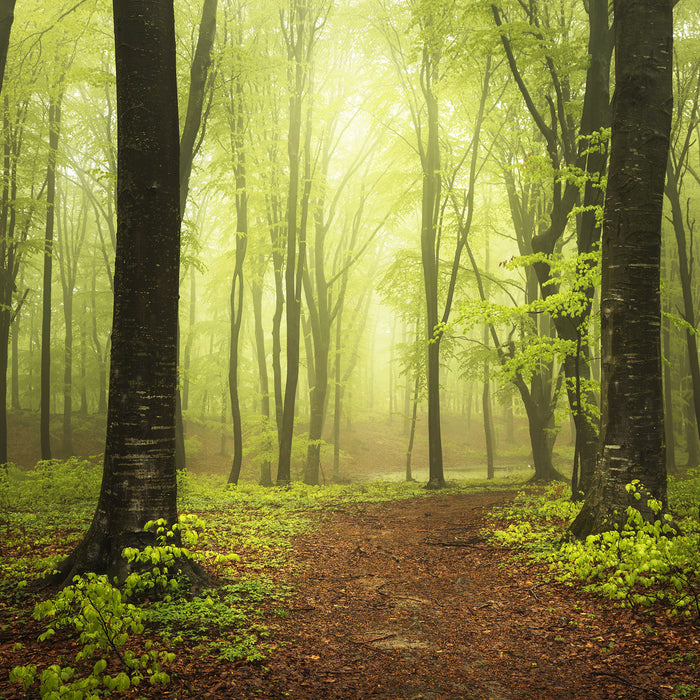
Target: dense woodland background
{"x":353,"y":161}
{"x":404,"y":253}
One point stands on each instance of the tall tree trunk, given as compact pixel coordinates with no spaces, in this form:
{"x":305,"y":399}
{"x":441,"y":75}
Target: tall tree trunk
{"x":429,"y":216}
{"x":669,"y":417}
{"x":486,"y":392}
{"x":101,"y":354}
{"x":14,"y":401}
{"x":67,"y":442}
{"x":685,"y":269}
{"x":256,"y":287}
{"x":299,"y":36}
{"x":7,"y":16}
{"x":45,"y":407}
{"x":632,"y":422}
{"x":6,"y":287}
{"x":139,"y":481}
{"x":238,"y":137}
{"x":187,"y":360}
{"x":83,"y":412}
{"x":337,"y":394}
{"x":199,"y":72}
{"x":692,"y":444}
{"x":488,"y":417}
{"x":69,"y":247}
{"x":595,"y":115}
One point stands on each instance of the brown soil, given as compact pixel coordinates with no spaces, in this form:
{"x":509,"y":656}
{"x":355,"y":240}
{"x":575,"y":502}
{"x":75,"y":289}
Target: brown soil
{"x":407,"y":600}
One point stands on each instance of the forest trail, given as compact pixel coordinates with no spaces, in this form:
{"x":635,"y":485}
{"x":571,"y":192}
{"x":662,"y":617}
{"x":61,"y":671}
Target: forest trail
{"x":407,"y":600}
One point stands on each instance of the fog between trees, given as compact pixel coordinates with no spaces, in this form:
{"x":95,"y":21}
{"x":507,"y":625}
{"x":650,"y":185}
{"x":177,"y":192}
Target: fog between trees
{"x":392,"y":217}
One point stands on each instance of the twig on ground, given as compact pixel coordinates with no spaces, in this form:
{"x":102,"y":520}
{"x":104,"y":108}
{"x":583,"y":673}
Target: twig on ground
{"x":646,"y":689}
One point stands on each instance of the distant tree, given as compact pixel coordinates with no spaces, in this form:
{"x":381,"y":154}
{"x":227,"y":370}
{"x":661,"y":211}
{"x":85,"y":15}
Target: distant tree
{"x":687,"y":118}
{"x":45,"y":402}
{"x":632,"y":425}
{"x":71,"y":228}
{"x":236,"y":110}
{"x":139,"y":480}
{"x":300,"y":28}
{"x":567,"y":112}
{"x":190,"y":142}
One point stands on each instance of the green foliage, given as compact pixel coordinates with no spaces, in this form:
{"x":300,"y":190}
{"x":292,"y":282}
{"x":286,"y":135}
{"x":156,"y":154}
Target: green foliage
{"x":246,"y":542}
{"x":222,"y":622}
{"x":642,"y":564}
{"x":536,"y":521}
{"x":52,"y":482}
{"x":96,"y":610}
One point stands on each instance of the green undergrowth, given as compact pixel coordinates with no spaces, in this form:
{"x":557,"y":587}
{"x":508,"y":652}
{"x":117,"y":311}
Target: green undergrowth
{"x":641,"y":565}
{"x":130,"y":636}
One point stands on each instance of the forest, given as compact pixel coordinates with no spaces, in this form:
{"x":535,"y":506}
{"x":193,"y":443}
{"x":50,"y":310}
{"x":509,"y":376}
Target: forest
{"x":348,"y":348}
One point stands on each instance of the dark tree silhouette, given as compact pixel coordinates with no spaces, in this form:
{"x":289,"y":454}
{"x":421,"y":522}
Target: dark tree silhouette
{"x":7,"y":16}
{"x":632,"y":425}
{"x":139,"y":480}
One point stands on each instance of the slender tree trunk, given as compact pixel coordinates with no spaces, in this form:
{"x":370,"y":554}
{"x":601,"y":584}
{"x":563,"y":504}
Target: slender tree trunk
{"x":83,"y":362}
{"x":5,"y":286}
{"x":685,"y":269}
{"x":14,"y":401}
{"x":429,"y":213}
{"x":236,"y":320}
{"x":337,"y":395}
{"x":669,"y":417}
{"x":256,"y":294}
{"x":67,"y":443}
{"x":488,"y":417}
{"x":692,"y":445}
{"x":199,"y":72}
{"x":412,"y":428}
{"x":299,"y":52}
{"x":486,"y":392}
{"x":45,"y":408}
{"x":187,"y":360}
{"x":101,"y":355}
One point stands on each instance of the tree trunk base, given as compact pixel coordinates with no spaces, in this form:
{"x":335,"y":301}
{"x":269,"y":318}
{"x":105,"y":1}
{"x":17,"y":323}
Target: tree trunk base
{"x":101,"y":554}
{"x":435,"y":484}
{"x":549,"y":476}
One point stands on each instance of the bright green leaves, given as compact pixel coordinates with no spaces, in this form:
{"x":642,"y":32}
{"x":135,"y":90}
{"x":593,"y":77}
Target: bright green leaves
{"x":104,"y":622}
{"x":641,"y":564}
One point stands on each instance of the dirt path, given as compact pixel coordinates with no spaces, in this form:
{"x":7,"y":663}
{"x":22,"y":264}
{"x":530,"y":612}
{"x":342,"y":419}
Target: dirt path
{"x":405,"y":600}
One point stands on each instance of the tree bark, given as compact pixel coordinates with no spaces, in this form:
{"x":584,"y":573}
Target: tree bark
{"x":7,"y":16}
{"x":300,"y":38}
{"x":238,"y":128}
{"x":595,"y":115}
{"x":685,"y":270}
{"x":429,"y":215}
{"x":632,"y":423}
{"x":139,"y":480}
{"x":256,"y":287}
{"x":45,"y":400}
{"x":199,"y":72}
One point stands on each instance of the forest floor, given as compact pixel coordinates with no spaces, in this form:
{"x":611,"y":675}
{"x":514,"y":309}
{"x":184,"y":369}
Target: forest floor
{"x":406,"y":599}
